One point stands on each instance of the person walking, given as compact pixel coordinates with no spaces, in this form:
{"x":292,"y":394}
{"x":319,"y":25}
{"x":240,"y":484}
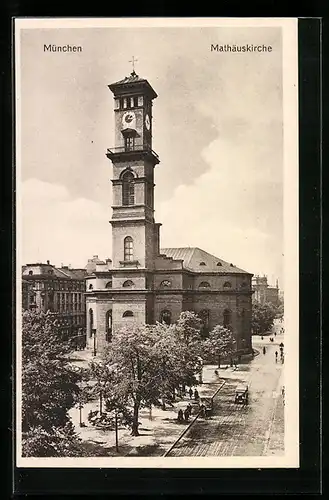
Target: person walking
{"x":186,"y":414}
{"x":276,"y":356}
{"x":196,"y":395}
{"x":264,"y":350}
{"x":180,"y":416}
{"x":190,"y":392}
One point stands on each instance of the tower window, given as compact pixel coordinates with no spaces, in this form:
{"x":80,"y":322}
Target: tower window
{"x":128,"y":248}
{"x":128,"y":189}
{"x":202,"y":264}
{"x":125,"y":102}
{"x":108,"y":284}
{"x":30,"y":273}
{"x":91,"y":287}
{"x":219,"y":264}
{"x":140,"y":100}
{"x":128,"y":314}
{"x":165,"y":317}
{"x":129,"y":143}
{"x":128,"y":284}
{"x":227,"y":284}
{"x":135,"y":101}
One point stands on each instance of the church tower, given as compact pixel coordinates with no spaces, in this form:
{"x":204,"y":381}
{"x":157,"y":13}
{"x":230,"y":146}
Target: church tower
{"x":135,"y":235}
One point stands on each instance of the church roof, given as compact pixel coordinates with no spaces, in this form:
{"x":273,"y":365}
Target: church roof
{"x":198,"y":260}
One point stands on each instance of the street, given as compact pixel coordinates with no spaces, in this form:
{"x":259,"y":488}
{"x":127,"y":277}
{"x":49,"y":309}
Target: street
{"x":256,"y":429}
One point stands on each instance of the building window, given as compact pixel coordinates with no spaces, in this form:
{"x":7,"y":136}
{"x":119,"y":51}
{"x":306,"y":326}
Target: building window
{"x":91,"y":322}
{"x":108,"y":284}
{"x":128,"y":249}
{"x":227,"y":284}
{"x":90,"y":287}
{"x":165,"y":317}
{"x":128,"y":314}
{"x":204,"y":284}
{"x":227,"y":318}
{"x":244,"y":284}
{"x":165,"y":284}
{"x":219,"y":264}
{"x":202,"y":264}
{"x":204,"y":316}
{"x":128,"y":189}
{"x":140,"y":100}
{"x":108,"y":322}
{"x":30,"y":273}
{"x":128,"y":284}
{"x":125,"y":102}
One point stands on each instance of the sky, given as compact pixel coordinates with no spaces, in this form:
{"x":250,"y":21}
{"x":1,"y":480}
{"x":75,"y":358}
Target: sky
{"x":217,"y":128}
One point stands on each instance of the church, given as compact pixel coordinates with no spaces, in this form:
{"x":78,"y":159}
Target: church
{"x":143,"y":282}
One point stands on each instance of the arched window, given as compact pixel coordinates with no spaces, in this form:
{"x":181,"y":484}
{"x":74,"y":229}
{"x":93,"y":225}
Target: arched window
{"x":128,"y":248}
{"x":108,"y":323}
{"x":30,"y":273}
{"x":204,"y":284}
{"x":165,"y":284}
{"x":204,"y":316}
{"x":165,"y":317}
{"x":128,"y":284}
{"x":244,"y":284}
{"x":91,"y":287}
{"x":219,"y":264}
{"x":108,"y":284}
{"x":202,"y":264}
{"x":128,"y":189}
{"x":128,"y":314}
{"x":227,"y":284}
{"x":91,"y":322}
{"x":227,"y":318}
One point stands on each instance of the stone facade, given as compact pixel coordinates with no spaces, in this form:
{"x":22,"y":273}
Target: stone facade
{"x":60,"y":291}
{"x":263,"y":292}
{"x":142,"y":282}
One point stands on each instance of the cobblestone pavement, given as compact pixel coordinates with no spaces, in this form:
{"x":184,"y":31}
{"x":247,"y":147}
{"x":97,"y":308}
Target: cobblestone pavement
{"x":255,"y":429}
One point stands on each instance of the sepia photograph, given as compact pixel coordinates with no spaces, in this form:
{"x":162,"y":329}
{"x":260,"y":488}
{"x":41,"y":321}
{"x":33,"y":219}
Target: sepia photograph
{"x":157,"y":242}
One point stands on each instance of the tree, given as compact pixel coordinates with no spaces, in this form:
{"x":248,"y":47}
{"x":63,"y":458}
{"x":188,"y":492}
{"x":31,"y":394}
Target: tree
{"x":49,"y":388}
{"x":262,"y":318}
{"x":220,"y":343}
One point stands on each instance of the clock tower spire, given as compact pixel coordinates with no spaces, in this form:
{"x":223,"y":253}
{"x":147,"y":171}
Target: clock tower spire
{"x":134,"y":230}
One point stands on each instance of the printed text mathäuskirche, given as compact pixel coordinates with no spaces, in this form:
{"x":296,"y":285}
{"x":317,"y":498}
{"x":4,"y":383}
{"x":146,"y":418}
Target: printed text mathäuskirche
{"x":248,"y":47}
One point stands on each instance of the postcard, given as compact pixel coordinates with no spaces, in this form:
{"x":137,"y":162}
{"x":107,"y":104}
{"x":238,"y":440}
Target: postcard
{"x":156,"y":174}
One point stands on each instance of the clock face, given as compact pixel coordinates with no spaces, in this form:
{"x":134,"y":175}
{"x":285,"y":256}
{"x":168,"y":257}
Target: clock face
{"x":147,"y":122}
{"x":129,"y":119}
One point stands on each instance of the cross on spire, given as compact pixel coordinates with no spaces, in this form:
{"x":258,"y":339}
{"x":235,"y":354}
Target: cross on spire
{"x":133,"y":61}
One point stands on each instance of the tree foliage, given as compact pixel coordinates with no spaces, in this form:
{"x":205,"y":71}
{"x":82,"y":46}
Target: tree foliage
{"x":263,"y":316}
{"x":49,"y":388}
{"x":220,"y":344}
{"x":144,"y":363}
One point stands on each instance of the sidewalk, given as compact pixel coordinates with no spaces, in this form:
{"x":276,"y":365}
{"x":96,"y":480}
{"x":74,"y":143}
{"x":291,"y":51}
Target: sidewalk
{"x":158,"y":429}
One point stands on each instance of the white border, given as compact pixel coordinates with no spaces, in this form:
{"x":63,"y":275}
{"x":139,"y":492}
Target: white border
{"x":291,"y":369}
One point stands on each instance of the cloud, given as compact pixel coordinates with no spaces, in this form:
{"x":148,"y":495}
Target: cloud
{"x":232,"y":210}
{"x":59,"y":228}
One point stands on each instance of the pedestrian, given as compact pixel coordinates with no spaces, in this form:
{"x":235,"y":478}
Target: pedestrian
{"x":180,"y":416}
{"x":190,"y":392}
{"x":275,"y":333}
{"x":262,"y":338}
{"x":189,"y":409}
{"x":186,"y":414}
{"x":276,"y":355}
{"x":196,"y":395}
{"x":203,"y":411}
{"x":264,"y":350}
